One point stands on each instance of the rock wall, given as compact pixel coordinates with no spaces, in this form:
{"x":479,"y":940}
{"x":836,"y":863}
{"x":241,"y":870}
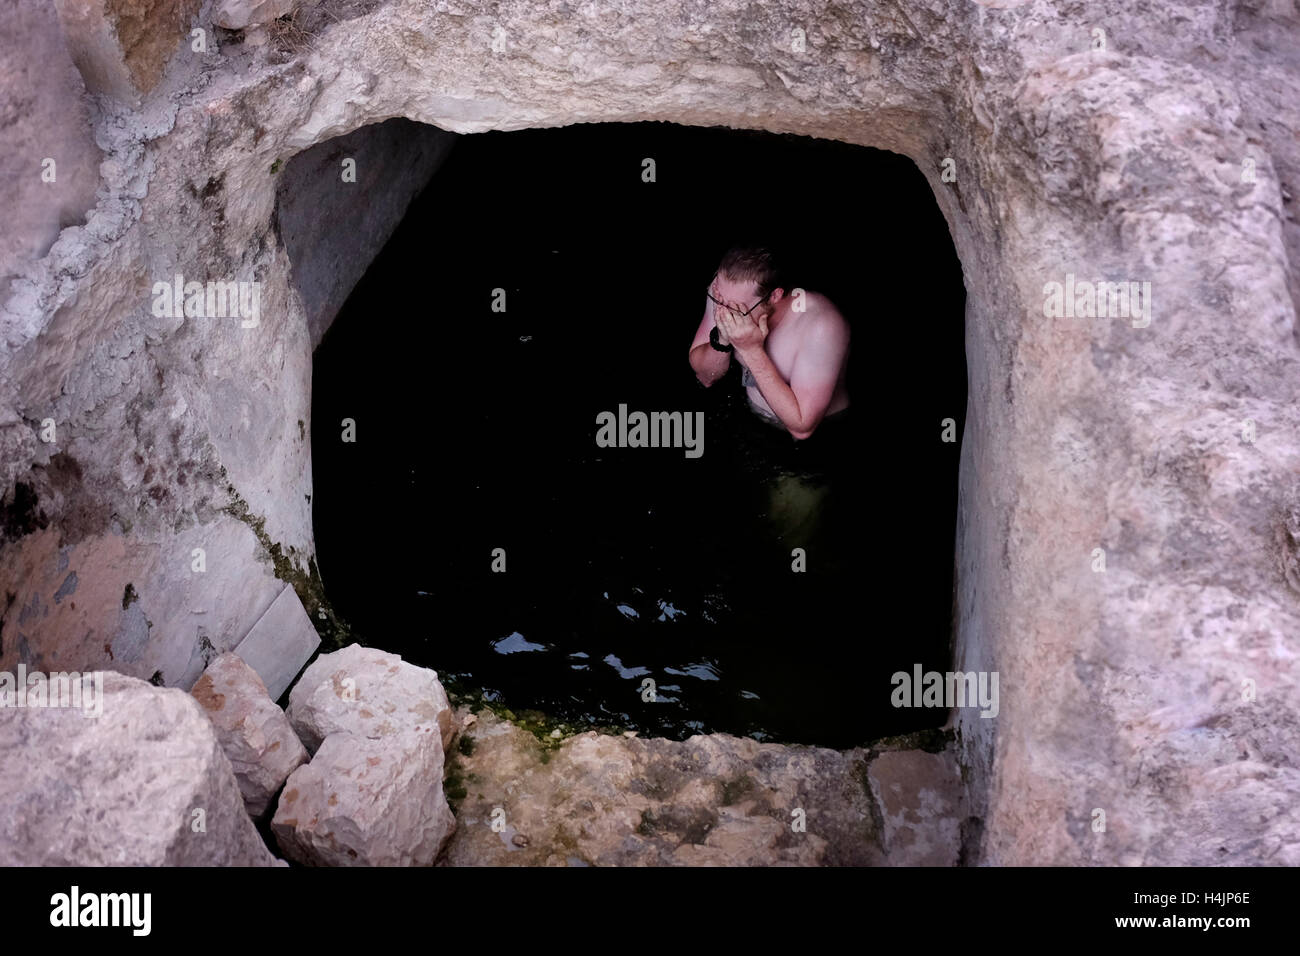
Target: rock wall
{"x":44,"y":116}
{"x":330,"y":253}
{"x":1090,"y":140}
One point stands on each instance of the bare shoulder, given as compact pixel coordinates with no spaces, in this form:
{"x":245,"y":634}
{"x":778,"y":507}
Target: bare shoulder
{"x":823,"y":318}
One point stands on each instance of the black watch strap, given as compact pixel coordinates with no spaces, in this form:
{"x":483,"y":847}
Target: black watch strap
{"x":713,"y":340}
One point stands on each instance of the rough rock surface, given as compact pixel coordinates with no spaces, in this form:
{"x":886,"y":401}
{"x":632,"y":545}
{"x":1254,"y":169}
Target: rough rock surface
{"x":369,"y":692}
{"x":711,"y":800}
{"x":367,"y":802}
{"x":397,"y":158}
{"x":121,"y":789}
{"x":1103,"y":140}
{"x":49,"y":123}
{"x":123,"y":46}
{"x":254,"y":733}
{"x":240,"y":14}
{"x":920,"y":801}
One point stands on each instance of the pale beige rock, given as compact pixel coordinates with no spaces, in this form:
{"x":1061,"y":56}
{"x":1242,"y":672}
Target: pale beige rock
{"x":145,"y":784}
{"x":254,"y":733}
{"x":45,"y":116}
{"x":241,"y":14}
{"x":368,"y":692}
{"x":711,"y":800}
{"x":367,"y":802}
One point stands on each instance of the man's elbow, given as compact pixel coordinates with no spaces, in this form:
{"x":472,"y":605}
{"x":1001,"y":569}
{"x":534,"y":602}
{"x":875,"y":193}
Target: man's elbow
{"x":802,"y":432}
{"x":701,"y":374}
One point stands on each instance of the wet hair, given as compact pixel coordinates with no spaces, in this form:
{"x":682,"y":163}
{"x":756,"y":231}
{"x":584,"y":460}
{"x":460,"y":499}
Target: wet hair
{"x":755,"y":262}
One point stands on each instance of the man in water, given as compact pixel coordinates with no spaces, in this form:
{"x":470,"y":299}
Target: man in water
{"x":793,"y":352}
{"x":793,"y":349}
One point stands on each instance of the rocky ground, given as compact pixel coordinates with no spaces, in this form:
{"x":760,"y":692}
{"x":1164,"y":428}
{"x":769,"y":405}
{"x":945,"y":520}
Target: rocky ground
{"x":371,"y":760}
{"x":606,"y":799}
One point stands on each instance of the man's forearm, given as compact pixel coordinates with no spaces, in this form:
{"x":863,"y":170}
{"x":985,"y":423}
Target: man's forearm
{"x":775,"y":390}
{"x":709,"y":364}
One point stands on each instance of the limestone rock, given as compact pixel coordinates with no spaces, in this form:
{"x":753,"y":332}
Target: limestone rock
{"x":368,"y":692}
{"x":254,"y":733}
{"x":121,"y":789}
{"x":45,"y":116}
{"x":711,"y":800}
{"x":921,"y":803}
{"x":367,"y":802}
{"x":122,"y":46}
{"x":241,"y":14}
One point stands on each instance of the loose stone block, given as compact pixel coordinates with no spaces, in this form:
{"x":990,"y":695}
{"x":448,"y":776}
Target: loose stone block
{"x":367,"y":802}
{"x":369,"y":692}
{"x":144,"y":784}
{"x":254,"y":733}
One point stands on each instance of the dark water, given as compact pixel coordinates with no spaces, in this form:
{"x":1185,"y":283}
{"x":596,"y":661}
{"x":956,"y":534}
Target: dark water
{"x":476,"y":430}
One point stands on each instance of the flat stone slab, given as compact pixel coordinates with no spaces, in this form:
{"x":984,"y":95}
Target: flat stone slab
{"x":711,"y":800}
{"x":280,"y":643}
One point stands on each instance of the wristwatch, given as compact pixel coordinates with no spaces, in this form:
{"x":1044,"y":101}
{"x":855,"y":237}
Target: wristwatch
{"x":713,"y":340}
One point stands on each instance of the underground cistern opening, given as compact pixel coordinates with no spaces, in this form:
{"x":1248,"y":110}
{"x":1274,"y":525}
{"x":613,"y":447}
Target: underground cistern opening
{"x":473,"y":514}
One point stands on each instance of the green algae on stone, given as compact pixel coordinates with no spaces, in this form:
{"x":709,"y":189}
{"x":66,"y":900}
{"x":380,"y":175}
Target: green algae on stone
{"x":453,"y":781}
{"x":734,"y":790}
{"x":873,"y":826}
{"x":334,"y":632}
{"x":456,"y":793}
{"x":539,"y":724}
{"x":932,"y":740}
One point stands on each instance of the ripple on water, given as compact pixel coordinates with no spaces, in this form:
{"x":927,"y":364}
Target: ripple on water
{"x":516,"y":643}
